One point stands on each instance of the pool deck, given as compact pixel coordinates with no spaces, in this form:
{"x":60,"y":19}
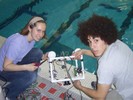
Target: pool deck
{"x":89,"y":77}
{"x":57,"y":90}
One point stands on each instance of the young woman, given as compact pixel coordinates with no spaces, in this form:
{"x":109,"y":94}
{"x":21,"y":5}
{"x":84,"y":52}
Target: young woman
{"x":18,"y":57}
{"x":115,"y":59}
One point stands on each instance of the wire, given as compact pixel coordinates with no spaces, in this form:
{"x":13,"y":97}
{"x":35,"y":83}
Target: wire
{"x":3,"y":86}
{"x":4,"y":80}
{"x":80,"y":94}
{"x":68,"y":72}
{"x":67,"y":95}
{"x":32,"y":93}
{"x":71,"y":79}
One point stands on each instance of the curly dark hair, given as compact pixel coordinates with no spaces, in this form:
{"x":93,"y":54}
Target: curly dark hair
{"x":97,"y":26}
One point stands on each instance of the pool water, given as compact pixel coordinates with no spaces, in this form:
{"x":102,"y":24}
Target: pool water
{"x":62,"y":17}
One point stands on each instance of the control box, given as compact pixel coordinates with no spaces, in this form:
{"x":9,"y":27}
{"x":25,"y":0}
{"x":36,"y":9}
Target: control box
{"x":65,"y":68}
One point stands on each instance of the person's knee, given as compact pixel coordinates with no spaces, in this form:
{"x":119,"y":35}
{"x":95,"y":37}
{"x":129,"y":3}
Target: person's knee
{"x":34,"y":55}
{"x":37,"y":52}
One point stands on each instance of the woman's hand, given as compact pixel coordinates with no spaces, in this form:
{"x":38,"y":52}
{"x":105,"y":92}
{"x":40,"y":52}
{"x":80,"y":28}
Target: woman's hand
{"x":45,"y":56}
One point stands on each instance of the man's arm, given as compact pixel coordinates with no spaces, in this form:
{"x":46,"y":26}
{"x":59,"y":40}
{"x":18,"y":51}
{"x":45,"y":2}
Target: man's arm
{"x":98,"y":94}
{"x":87,"y":52}
{"x":78,"y":53}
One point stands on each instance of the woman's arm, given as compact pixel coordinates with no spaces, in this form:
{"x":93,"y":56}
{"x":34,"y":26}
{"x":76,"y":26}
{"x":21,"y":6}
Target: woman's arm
{"x":9,"y":66}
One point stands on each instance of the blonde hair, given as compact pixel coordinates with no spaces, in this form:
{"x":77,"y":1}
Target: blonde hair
{"x":31,"y":24}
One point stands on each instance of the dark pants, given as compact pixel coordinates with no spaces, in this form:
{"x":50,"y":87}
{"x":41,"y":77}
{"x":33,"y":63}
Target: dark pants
{"x":20,"y":80}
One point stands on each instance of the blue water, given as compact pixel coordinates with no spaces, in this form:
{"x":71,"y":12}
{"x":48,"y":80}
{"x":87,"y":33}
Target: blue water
{"x":62,"y":17}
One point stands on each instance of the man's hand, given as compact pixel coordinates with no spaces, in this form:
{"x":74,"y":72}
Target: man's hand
{"x":77,"y":84}
{"x":77,"y":54}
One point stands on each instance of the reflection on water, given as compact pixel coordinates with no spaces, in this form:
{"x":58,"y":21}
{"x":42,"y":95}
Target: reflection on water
{"x":128,"y":42}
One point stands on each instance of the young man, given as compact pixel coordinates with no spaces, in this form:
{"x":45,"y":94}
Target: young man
{"x":115,"y":58}
{"x":18,"y":57}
